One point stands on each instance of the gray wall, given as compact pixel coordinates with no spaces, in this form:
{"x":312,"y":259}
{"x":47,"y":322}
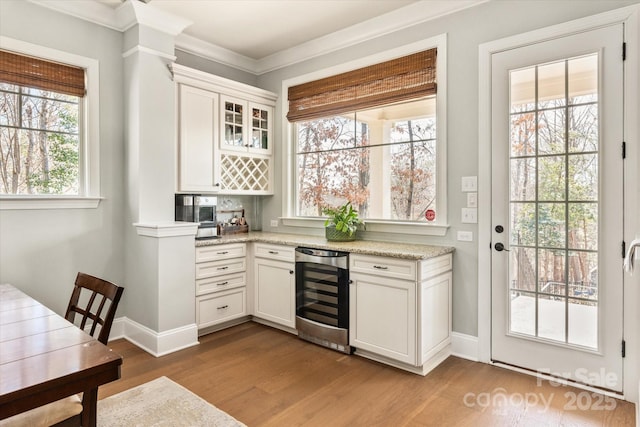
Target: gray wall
{"x":466,"y":30}
{"x":41,"y":251}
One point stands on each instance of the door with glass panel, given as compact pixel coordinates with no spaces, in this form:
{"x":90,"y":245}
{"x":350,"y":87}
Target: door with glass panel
{"x":557,"y":207}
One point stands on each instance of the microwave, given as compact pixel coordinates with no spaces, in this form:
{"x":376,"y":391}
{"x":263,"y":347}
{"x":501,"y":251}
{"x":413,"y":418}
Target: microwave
{"x":198,"y":208}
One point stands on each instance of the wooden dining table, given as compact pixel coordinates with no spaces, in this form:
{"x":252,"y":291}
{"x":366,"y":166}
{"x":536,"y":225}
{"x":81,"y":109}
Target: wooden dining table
{"x":44,"y":358}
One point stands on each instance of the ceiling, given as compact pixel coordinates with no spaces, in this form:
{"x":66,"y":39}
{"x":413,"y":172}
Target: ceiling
{"x":262,"y":35}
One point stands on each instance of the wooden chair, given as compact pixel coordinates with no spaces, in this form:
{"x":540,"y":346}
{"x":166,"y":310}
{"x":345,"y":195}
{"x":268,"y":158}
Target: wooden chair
{"x":89,"y":298}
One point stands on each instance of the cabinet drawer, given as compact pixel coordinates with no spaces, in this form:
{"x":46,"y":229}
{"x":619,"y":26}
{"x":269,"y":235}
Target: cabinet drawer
{"x":220,"y":268}
{"x":220,"y":307}
{"x":383,"y":266}
{"x":276,"y":252}
{"x":218,"y":252}
{"x":220,"y":283}
{"x":435,"y":266}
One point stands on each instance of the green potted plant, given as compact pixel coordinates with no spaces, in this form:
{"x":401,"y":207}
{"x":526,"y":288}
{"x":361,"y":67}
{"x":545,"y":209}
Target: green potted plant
{"x":342,"y":223}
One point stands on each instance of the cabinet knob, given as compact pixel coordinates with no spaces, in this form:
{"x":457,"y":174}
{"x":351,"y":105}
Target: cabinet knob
{"x":291,"y":271}
{"x":223,"y":268}
{"x":217,"y":184}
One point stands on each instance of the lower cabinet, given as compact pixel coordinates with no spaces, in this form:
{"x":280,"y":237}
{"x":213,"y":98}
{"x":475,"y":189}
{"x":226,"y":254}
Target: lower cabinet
{"x":221,"y":284}
{"x":401,"y":309}
{"x":220,"y":307}
{"x":275,"y":285}
{"x":383,"y":316}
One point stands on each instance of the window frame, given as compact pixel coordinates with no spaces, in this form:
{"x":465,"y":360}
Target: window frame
{"x":88,"y":130}
{"x":440,"y":225}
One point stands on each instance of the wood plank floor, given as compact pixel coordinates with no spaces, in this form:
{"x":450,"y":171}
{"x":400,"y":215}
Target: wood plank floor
{"x":266,"y":377}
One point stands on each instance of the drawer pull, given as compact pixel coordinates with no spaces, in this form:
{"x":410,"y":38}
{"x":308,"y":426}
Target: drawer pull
{"x":223,"y":253}
{"x":274,"y":252}
{"x":381,"y":267}
{"x":223,"y":283}
{"x":223,"y":307}
{"x":223,"y":268}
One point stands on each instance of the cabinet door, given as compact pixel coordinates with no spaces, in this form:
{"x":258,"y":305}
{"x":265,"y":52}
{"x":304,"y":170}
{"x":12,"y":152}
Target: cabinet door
{"x":261,"y":125}
{"x":275,"y":290}
{"x":382,"y":316}
{"x":233,"y":124}
{"x":197,"y":145}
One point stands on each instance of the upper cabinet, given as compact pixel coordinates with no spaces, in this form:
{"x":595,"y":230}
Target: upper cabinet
{"x":197,"y":166}
{"x":246,"y":126}
{"x":225,"y":135}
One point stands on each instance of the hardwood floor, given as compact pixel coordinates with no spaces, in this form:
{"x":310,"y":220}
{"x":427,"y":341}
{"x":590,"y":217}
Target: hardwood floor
{"x":266,"y":377}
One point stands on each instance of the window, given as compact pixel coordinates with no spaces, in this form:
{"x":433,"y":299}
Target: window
{"x":48,"y":128}
{"x":371,"y":136}
{"x":382,"y":160}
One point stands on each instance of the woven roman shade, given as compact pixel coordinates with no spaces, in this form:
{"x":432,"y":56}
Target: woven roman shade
{"x":41,"y":74}
{"x":400,"y":79}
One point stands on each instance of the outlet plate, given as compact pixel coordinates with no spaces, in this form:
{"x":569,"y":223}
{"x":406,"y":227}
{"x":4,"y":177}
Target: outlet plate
{"x":274,"y":222}
{"x":465,"y":236}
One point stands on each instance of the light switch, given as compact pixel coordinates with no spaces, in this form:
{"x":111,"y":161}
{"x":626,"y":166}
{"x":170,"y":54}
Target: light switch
{"x":469,"y":215}
{"x":472,"y":200}
{"x":469,"y":183}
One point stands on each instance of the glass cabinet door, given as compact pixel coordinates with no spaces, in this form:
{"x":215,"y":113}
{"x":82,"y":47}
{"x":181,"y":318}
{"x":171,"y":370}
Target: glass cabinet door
{"x":233,"y":137}
{"x":260,"y":128}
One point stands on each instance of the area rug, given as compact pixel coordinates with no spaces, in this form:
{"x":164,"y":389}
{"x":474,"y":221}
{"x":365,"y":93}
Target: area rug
{"x":161,"y":402}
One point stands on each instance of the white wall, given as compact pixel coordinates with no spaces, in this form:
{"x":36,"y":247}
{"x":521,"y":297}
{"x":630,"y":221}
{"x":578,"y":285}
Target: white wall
{"x":41,"y":251}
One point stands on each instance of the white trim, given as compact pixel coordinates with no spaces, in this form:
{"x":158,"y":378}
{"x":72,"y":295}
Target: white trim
{"x":8,"y":203}
{"x":133,"y":12}
{"x":126,"y":15}
{"x":630,"y":16}
{"x":212,"y":52}
{"x":166,"y":229}
{"x":464,"y":346}
{"x":89,"y":163}
{"x":156,"y":343}
{"x":437,"y":228}
{"x":211,"y":82}
{"x":415,"y":228}
{"x":137,"y":49}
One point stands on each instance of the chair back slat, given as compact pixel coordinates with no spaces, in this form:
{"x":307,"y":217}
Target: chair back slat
{"x":98,"y":287}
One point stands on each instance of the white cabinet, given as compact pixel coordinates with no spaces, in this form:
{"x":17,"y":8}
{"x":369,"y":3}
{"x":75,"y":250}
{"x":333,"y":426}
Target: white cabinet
{"x":246,"y":126}
{"x":274,"y":284}
{"x":382,"y":308}
{"x":225,"y":138}
{"x":197,"y":154}
{"x":221,"y":284}
{"x":401,"y":309}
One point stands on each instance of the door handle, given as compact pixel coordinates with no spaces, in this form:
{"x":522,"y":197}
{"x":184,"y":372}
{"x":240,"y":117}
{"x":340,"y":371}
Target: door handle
{"x":500,"y":247}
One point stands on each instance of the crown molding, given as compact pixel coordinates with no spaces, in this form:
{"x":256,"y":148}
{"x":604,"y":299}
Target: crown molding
{"x":135,"y":12}
{"x":399,"y":19}
{"x":125,"y":16}
{"x":198,"y":47}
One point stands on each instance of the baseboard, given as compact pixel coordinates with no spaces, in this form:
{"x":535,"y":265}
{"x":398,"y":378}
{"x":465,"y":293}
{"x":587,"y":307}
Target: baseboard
{"x":155,"y":343}
{"x":464,"y":346}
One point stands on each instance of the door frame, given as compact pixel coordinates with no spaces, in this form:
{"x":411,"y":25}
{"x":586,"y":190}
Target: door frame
{"x":630,"y":17}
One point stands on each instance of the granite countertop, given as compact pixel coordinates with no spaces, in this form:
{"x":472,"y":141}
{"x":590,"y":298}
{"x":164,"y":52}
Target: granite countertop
{"x":366,"y":247}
